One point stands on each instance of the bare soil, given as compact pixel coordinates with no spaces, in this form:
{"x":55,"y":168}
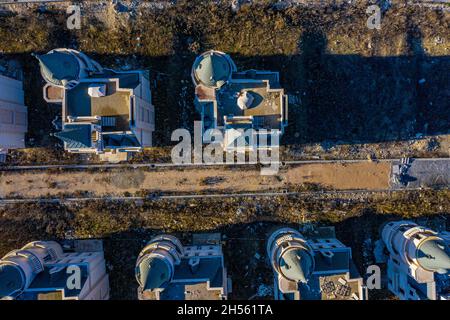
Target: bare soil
{"x":360,"y":175}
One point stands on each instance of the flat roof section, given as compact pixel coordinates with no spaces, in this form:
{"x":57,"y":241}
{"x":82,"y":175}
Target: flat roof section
{"x":115,"y":104}
{"x":190,"y":291}
{"x":271,"y":76}
{"x":337,"y":287}
{"x":55,"y":279}
{"x":264,"y":104}
{"x":78,"y":101}
{"x":54,"y":93}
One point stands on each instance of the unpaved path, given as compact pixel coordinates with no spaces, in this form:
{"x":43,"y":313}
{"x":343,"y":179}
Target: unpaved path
{"x":359,"y":175}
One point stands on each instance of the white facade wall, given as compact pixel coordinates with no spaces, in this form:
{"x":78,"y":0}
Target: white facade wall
{"x":144,"y":113}
{"x":96,"y":286}
{"x":13,"y":114}
{"x":401,"y":239}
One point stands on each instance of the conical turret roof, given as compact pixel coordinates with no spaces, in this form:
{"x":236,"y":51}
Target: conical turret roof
{"x":153,"y":273}
{"x":76,"y":136}
{"x":59,"y":66}
{"x":297,"y":265}
{"x":10,"y":280}
{"x":434,"y":255}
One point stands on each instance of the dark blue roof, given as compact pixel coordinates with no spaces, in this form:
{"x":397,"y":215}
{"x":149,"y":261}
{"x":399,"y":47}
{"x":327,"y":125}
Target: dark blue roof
{"x":119,"y":140}
{"x":58,"y":66}
{"x":10,"y":280}
{"x":78,"y":101}
{"x":76,"y":136}
{"x":49,"y":281}
{"x":209,"y":268}
{"x":339,"y":261}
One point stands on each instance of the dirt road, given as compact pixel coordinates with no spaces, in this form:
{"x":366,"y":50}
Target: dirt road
{"x":359,"y":175}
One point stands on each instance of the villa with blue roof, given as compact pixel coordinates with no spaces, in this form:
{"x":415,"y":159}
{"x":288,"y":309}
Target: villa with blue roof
{"x":103,"y":111}
{"x":167,"y":270}
{"x":418,"y":261}
{"x":319,"y":267}
{"x":233,"y":102}
{"x":48,"y":270}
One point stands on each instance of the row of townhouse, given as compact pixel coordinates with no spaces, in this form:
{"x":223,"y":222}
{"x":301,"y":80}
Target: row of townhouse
{"x":314,"y":267}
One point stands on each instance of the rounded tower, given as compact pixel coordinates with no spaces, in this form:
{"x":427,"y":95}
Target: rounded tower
{"x":156,"y":262}
{"x":66,"y":67}
{"x":19,"y":267}
{"x":212,"y":69}
{"x":417,"y":245}
{"x":290,"y":255}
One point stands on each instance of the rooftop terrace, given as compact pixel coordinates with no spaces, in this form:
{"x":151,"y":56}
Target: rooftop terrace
{"x":266,"y":104}
{"x":114,"y":104}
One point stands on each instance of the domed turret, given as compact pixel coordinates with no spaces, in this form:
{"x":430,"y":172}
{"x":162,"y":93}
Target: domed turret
{"x":19,"y":267}
{"x":11,"y":280}
{"x":59,"y":67}
{"x":212,"y":69}
{"x":416,"y":256}
{"x":65,"y":67}
{"x":290,"y":255}
{"x":296,"y":265}
{"x":434,"y":255}
{"x":155,"y":264}
{"x":154,"y":272}
{"x":418,"y":245}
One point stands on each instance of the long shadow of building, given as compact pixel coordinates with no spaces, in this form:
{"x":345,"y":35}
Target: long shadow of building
{"x":338,"y":98}
{"x":352,"y":98}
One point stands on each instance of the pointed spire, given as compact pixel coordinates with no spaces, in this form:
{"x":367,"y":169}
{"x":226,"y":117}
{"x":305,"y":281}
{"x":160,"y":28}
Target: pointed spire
{"x":76,"y":136}
{"x":297,"y":265}
{"x":434,"y":255}
{"x":154,"y":273}
{"x":10,"y":280}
